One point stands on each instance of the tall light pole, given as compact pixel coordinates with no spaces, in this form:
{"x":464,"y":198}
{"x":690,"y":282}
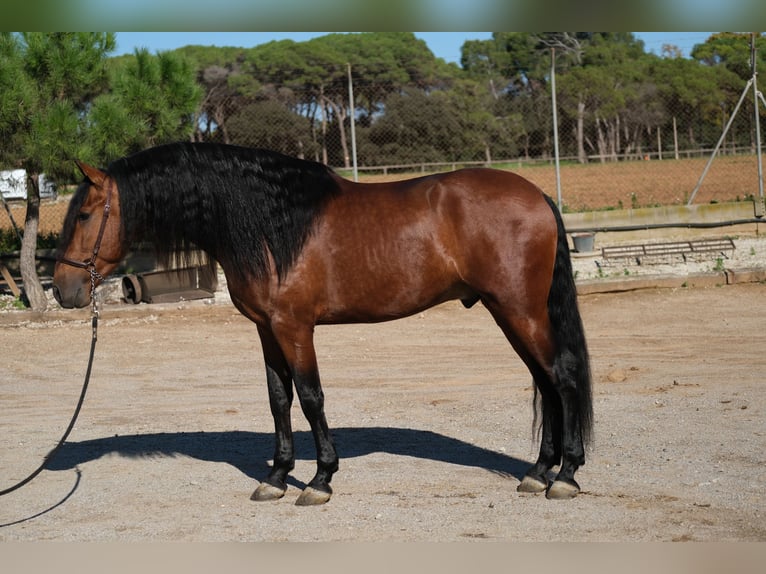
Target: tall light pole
{"x":352,"y":118}
{"x":555,"y":128}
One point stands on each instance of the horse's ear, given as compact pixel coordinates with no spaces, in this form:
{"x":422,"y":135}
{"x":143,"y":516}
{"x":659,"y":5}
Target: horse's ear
{"x":95,"y":175}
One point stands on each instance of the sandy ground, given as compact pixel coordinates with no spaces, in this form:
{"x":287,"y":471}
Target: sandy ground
{"x":431,"y":416}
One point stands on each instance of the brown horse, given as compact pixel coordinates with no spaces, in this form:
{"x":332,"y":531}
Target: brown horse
{"x":301,"y":246}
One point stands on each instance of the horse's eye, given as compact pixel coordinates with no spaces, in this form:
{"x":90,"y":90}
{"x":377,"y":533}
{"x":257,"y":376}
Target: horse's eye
{"x":83,"y":217}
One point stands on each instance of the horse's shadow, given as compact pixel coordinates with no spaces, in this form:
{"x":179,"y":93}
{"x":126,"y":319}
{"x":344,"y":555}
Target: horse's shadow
{"x":250,"y":451}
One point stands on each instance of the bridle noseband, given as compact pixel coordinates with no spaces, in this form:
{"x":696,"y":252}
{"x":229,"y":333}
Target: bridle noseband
{"x":90,"y":264}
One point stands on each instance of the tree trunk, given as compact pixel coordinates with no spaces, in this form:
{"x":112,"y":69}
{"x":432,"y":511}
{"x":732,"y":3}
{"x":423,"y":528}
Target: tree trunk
{"x":340,"y":113}
{"x":581,"y":156}
{"x":323,"y":105}
{"x":33,"y":289}
{"x":601,"y":141}
{"x":220,"y":119}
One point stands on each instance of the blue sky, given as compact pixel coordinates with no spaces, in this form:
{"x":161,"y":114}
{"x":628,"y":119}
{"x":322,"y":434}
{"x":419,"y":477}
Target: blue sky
{"x":444,"y":45}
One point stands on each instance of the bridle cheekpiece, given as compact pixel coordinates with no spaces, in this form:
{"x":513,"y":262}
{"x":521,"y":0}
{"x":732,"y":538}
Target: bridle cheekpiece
{"x":90,"y":264}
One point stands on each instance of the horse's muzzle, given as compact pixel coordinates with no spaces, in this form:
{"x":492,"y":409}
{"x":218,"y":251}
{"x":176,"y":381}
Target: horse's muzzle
{"x":73,"y":297}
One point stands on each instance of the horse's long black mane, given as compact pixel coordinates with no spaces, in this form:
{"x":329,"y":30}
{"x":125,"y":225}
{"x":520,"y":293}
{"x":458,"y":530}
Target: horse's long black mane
{"x":232,"y":202}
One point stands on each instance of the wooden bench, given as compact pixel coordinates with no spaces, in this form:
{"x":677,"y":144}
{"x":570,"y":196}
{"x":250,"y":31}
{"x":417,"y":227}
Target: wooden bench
{"x":640,"y":252}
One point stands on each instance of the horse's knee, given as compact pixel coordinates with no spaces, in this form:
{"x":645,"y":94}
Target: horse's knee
{"x":311,"y":399}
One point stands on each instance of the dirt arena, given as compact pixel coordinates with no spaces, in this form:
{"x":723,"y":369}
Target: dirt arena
{"x":431,"y":415}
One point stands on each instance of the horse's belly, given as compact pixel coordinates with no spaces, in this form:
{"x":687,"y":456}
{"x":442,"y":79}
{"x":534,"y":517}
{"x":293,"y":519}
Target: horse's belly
{"x":366,"y":297}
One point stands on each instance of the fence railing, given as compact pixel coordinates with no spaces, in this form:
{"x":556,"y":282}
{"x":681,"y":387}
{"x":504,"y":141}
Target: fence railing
{"x":593,"y":186}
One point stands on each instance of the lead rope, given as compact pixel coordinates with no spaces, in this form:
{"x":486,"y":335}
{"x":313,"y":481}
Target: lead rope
{"x":94,"y":275}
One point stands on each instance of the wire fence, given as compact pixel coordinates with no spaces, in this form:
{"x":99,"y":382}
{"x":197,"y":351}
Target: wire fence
{"x":428,"y":132}
{"x":651,"y":151}
{"x":652,"y":154}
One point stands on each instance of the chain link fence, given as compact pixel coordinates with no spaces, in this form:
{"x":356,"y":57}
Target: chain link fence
{"x":651,"y":155}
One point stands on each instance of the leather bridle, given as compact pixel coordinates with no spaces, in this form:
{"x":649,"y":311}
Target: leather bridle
{"x":90,"y":264}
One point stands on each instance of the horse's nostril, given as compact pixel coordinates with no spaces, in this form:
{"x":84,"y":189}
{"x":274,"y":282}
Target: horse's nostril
{"x":56,"y":294}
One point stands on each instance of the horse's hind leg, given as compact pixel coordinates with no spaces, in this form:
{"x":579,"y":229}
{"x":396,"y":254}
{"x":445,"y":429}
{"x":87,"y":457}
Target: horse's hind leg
{"x":561,"y":440}
{"x":529,"y":332}
{"x":565,"y":373}
{"x":536,"y":478}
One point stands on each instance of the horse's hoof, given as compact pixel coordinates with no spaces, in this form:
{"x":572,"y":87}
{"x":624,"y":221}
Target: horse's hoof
{"x":266,"y":491}
{"x":311,"y":497}
{"x":561,"y":490}
{"x":530,"y":485}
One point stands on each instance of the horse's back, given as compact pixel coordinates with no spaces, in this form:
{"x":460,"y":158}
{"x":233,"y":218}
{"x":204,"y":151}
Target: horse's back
{"x":474,"y":196}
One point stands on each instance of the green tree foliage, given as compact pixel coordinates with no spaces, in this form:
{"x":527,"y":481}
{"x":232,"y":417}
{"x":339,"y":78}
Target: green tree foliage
{"x":18,"y":98}
{"x":67,"y":70}
{"x":603,"y":92}
{"x":225,"y":86}
{"x":311,"y":79}
{"x":614,"y":100}
{"x":732,"y":51}
{"x":727,"y":59}
{"x":416,"y":128}
{"x":153,"y":100}
{"x":693,"y":93}
{"x":57,"y":75}
{"x":61,"y":99}
{"x":285,"y":132}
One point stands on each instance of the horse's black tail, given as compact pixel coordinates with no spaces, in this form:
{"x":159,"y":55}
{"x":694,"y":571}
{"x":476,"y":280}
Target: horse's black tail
{"x":571,"y":348}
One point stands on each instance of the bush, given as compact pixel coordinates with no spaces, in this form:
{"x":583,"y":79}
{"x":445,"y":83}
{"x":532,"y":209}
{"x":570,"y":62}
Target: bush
{"x":10,"y":242}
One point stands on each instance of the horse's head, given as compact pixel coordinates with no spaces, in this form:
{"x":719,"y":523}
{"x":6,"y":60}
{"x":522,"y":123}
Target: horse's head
{"x":90,"y":245}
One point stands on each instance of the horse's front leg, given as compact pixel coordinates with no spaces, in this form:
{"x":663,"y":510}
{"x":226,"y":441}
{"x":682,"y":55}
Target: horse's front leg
{"x":279,"y":381}
{"x":298,"y":346}
{"x":311,"y":398}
